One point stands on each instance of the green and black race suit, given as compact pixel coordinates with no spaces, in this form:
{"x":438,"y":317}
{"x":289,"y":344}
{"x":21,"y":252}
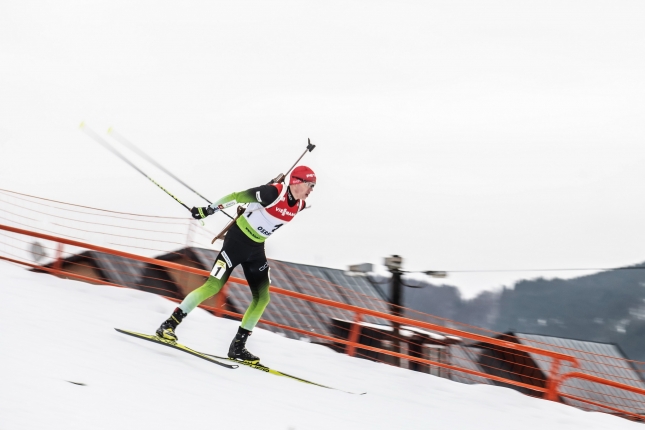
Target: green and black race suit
{"x":270,"y":206}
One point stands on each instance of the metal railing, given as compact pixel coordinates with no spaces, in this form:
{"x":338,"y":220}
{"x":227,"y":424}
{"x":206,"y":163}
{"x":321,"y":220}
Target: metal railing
{"x":554,"y":380}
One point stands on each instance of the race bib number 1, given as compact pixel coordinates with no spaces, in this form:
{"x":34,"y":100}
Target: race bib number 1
{"x":218,"y":269}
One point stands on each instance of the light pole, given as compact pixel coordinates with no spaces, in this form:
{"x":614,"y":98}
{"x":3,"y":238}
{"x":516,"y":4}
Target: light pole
{"x":394,"y":265}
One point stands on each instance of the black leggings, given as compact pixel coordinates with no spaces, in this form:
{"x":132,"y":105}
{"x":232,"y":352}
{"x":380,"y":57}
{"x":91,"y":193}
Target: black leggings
{"x":237,"y":249}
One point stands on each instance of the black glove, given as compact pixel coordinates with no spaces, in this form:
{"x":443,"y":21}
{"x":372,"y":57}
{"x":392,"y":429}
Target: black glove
{"x":199,"y":213}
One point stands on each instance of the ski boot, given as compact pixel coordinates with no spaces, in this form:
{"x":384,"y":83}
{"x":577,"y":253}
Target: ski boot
{"x":238,"y":351}
{"x":167,"y":329}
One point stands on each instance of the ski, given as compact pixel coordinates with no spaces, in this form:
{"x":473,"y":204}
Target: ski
{"x":218,"y":359}
{"x":267,"y":369}
{"x":179,"y":346}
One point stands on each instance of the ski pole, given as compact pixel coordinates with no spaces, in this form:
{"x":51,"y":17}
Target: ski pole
{"x":104,"y":143}
{"x":221,"y":234}
{"x":279,"y":179}
{"x":125,"y":142}
{"x":119,"y":138}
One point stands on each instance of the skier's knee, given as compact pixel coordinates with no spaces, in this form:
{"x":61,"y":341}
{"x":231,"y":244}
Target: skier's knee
{"x":264,"y":300}
{"x":211,"y":286}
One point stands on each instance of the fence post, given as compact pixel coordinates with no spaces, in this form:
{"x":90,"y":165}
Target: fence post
{"x":354,"y":333}
{"x":553,"y":380}
{"x":58,"y":263}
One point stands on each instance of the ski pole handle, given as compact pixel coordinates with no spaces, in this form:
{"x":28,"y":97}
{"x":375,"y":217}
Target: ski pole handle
{"x":280,"y":178}
{"x":310,"y":147}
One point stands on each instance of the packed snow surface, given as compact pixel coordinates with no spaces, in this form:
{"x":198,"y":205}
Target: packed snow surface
{"x":63,"y":366}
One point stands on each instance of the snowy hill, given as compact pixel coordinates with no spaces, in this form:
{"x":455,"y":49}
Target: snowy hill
{"x":62,"y":366}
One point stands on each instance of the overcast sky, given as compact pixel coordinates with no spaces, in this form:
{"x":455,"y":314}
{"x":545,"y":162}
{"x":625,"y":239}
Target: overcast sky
{"x":462,"y":135}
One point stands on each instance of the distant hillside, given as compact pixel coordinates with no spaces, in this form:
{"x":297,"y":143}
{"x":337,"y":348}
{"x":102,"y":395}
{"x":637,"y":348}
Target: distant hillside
{"x":445,"y":301}
{"x":605,"y":307}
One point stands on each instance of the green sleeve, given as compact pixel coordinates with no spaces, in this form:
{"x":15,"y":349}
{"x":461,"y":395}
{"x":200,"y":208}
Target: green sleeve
{"x":264,"y":194}
{"x":232,"y":199}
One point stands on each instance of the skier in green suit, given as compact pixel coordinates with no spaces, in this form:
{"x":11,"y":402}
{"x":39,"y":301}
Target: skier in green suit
{"x":270,"y":207}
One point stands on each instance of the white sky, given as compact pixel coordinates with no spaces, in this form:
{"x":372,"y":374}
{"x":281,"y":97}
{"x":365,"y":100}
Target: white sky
{"x":133,"y":384}
{"x":461,"y":135}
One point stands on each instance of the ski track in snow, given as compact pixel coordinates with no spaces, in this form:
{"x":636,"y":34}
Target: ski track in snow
{"x":60,"y":333}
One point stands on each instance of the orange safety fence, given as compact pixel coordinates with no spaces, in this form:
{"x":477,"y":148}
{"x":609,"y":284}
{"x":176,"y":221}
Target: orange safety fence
{"x":338,"y":305}
{"x":552,"y":389}
{"x":309,"y":303}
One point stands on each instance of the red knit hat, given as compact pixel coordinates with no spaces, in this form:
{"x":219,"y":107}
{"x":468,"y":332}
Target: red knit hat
{"x":302,"y":174}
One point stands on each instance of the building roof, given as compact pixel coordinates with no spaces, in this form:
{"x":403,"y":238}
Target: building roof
{"x":111,"y":268}
{"x":409,"y":331}
{"x":467,"y":357}
{"x":332,"y":284}
{"x":119,"y":270}
{"x":605,"y":360}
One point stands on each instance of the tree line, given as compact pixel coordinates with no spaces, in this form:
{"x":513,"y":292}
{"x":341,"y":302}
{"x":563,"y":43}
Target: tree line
{"x":604,"y":307}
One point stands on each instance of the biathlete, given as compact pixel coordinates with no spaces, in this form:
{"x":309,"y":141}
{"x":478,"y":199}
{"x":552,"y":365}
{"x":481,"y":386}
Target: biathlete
{"x":270,"y":207}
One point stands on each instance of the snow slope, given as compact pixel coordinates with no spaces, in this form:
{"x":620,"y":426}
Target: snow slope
{"x":56,"y":331}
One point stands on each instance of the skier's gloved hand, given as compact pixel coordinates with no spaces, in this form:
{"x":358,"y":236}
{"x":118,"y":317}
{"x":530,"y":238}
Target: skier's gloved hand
{"x":199,"y":213}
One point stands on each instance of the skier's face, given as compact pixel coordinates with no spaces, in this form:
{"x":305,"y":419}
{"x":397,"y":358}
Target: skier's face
{"x":302,"y":190}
